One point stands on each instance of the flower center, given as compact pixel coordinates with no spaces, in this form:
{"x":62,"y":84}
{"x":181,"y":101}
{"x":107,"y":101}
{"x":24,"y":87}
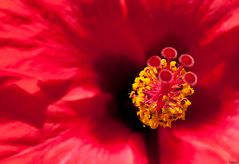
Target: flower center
{"x":162,"y":89}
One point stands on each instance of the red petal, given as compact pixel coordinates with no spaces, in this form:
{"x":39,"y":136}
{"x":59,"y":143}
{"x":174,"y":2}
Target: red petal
{"x":177,"y":24}
{"x":71,"y":150}
{"x":173,"y":149}
{"x":18,"y":104}
{"x":16,"y":136}
{"x":90,"y":137}
{"x":220,"y":136}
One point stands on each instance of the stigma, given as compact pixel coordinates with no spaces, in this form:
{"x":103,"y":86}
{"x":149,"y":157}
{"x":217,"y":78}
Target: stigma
{"x":161,"y":90}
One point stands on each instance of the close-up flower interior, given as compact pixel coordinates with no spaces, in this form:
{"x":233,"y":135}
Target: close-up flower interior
{"x":119,"y":82}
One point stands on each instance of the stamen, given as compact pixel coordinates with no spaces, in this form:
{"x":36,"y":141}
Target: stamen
{"x":169,"y":53}
{"x":161,"y":91}
{"x":186,"y":60}
{"x":154,"y":61}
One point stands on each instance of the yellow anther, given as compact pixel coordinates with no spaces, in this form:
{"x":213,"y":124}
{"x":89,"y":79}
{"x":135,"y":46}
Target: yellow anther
{"x":187,"y":90}
{"x":165,"y":98}
{"x":135,"y":86}
{"x":186,"y":104}
{"x":137,"y":80}
{"x":173,"y":65}
{"x":163,"y":63}
{"x":132,"y":94}
{"x":146,"y":80}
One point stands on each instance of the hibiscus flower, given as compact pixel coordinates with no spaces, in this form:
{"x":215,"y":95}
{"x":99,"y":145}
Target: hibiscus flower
{"x":67,"y":68}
